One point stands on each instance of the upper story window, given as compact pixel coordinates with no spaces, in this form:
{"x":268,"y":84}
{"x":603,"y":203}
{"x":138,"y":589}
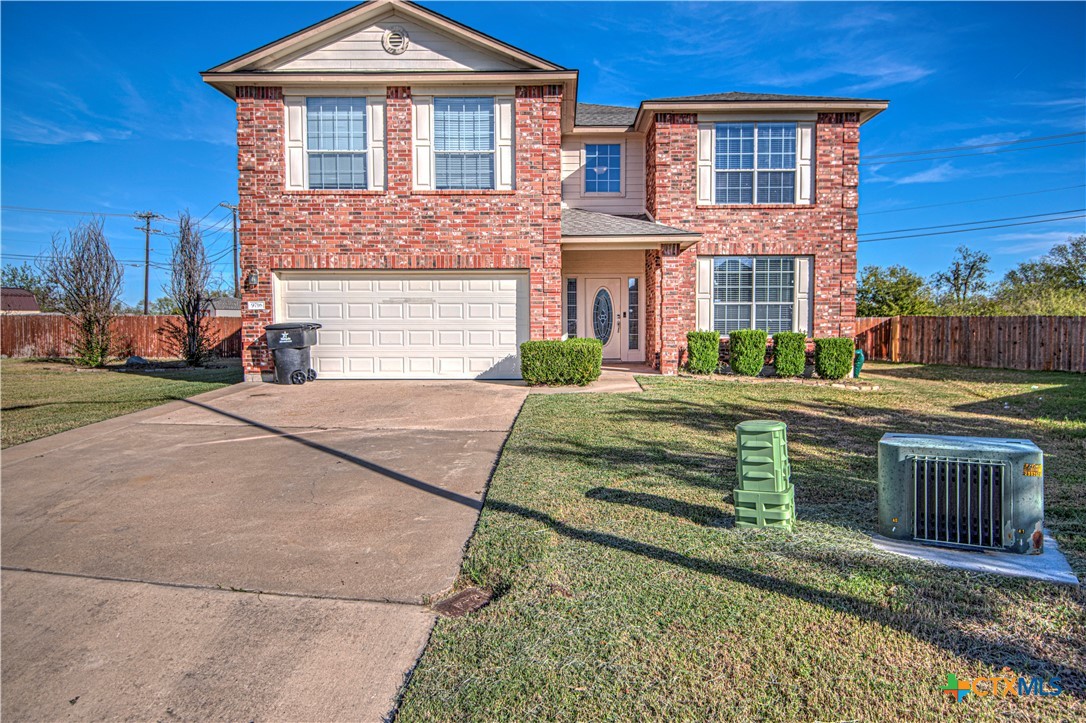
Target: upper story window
{"x":464,"y":143}
{"x":335,"y":142}
{"x":754,"y":163}
{"x":603,"y":168}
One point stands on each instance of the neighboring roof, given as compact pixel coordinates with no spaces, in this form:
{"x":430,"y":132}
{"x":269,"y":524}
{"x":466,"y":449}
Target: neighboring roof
{"x":593,"y":114}
{"x":224,"y":303}
{"x":578,"y":222}
{"x":738,"y":97}
{"x":16,"y":299}
{"x":338,"y":24}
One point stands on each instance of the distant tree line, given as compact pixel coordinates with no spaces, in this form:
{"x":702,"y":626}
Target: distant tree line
{"x":1053,"y":285}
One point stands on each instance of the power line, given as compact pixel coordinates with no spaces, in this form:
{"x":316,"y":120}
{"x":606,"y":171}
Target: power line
{"x":29,"y":209}
{"x":973,"y":200}
{"x":971,"y":223}
{"x":967,"y":230}
{"x":975,"y":145}
{"x":980,"y":153}
{"x":964,"y":155}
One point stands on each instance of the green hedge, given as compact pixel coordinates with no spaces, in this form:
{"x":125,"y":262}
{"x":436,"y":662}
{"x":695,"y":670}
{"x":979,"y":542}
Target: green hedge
{"x":833,"y":357}
{"x":703,"y":349}
{"x":556,"y":363}
{"x":790,"y":353}
{"x":746,"y":351}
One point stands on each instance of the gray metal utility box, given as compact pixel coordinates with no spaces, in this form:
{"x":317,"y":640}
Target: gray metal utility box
{"x":974,"y":492}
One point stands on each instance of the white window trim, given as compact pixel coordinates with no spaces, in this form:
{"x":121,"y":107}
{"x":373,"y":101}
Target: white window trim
{"x":706,"y":159}
{"x":364,"y":152}
{"x":802,"y":297}
{"x":424,"y":137}
{"x":621,"y":143}
{"x":296,"y":138}
{"x":755,"y":170}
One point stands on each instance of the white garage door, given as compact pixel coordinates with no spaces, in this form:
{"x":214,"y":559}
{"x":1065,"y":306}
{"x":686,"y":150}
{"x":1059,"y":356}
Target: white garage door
{"x":417,"y":325}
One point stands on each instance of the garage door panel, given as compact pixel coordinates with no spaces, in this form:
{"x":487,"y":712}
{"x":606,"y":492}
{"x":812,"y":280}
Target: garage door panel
{"x":412,"y":324}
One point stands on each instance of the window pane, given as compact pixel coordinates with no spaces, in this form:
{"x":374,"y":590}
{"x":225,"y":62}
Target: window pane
{"x":603,"y":168}
{"x":777,"y":145}
{"x":337,"y":170}
{"x":776,"y":186}
{"x":733,"y":279}
{"x":335,"y":124}
{"x":463,"y":124}
{"x":729,"y":317}
{"x":464,"y":170}
{"x":773,"y":317}
{"x":734,"y":146}
{"x":632,"y":326}
{"x":571,"y":308}
{"x":734,"y":187}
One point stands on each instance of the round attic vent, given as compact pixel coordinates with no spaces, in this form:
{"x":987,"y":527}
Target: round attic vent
{"x":395,"y":40}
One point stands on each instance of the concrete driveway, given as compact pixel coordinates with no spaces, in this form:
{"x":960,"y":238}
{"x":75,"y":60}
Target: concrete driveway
{"x":259,"y":552}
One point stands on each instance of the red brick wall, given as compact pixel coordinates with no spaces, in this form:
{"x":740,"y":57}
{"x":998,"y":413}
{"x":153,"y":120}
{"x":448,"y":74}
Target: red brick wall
{"x":399,"y":228}
{"x":825,"y":229}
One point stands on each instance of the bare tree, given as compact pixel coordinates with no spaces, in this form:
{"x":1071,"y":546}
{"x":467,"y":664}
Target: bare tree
{"x":966,"y":277}
{"x":190,"y":272}
{"x":88,"y":281}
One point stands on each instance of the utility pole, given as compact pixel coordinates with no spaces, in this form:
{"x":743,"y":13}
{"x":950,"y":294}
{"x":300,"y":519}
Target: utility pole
{"x":234,"y":209}
{"x":147,"y":217}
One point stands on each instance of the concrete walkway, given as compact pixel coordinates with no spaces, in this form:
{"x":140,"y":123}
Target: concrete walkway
{"x":259,"y":552}
{"x":615,"y":378}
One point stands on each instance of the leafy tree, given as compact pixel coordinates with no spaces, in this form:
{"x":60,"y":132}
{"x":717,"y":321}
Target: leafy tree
{"x":960,"y":286}
{"x":892,"y":291}
{"x":165,"y":306}
{"x":1054,"y":284}
{"x":33,"y":280}
{"x":88,"y":281}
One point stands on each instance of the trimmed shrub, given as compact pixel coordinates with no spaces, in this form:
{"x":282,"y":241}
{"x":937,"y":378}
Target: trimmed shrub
{"x":790,"y":353}
{"x":833,"y":357}
{"x":746,"y":353}
{"x":555,"y":363}
{"x":703,"y":348}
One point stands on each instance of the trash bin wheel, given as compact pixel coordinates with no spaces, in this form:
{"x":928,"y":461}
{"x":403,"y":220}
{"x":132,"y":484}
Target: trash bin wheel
{"x":297,"y":377}
{"x":312,"y":375}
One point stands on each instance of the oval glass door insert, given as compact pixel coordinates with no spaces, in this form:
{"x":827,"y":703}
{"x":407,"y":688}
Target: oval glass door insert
{"x":603,"y":316}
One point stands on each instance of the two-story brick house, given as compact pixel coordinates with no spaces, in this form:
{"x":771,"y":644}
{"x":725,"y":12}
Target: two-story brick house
{"x":434,"y":197}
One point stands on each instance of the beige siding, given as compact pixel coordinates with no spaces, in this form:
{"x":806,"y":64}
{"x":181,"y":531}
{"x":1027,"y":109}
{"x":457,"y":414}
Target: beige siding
{"x":430,"y":49}
{"x":603,"y":263}
{"x":632,"y":200}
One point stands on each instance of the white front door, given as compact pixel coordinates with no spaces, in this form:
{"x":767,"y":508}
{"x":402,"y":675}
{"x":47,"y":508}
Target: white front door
{"x":605,"y":315}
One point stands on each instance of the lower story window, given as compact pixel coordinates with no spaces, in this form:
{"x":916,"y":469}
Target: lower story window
{"x":754,"y":293}
{"x":571,"y":308}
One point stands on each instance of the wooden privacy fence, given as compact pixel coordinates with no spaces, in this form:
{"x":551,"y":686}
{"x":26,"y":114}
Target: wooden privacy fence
{"x":148,"y":336}
{"x":1040,"y":343}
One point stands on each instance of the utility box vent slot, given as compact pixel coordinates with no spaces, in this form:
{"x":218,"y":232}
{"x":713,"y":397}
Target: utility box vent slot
{"x":958,"y":501}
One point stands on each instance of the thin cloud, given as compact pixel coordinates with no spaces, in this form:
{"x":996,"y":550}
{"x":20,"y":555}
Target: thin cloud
{"x":939,"y":174}
{"x":1037,"y":242}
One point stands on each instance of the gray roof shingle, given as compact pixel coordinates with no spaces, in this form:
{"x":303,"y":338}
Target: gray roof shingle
{"x":578,"y":222}
{"x":593,"y":114}
{"x":735,"y":96}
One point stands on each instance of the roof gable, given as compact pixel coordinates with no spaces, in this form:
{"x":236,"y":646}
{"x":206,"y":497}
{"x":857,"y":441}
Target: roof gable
{"x":353,"y":41}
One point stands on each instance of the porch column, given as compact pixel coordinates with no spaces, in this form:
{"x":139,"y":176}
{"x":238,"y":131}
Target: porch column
{"x":677,"y":304}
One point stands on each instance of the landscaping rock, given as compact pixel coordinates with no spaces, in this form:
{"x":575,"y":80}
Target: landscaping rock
{"x":136,"y":361}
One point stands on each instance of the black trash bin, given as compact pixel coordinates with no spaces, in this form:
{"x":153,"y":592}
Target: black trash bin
{"x":290,"y":347}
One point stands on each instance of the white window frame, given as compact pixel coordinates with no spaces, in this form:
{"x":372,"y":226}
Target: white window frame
{"x":755,"y":170}
{"x":364,"y":153}
{"x":799,"y":310}
{"x":493,"y":152}
{"x":621,"y":193}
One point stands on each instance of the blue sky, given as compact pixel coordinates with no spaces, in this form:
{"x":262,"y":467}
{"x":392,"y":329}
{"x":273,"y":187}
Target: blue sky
{"x":103,"y":108}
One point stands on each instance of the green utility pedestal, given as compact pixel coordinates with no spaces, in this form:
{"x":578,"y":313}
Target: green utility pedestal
{"x":765,"y":496}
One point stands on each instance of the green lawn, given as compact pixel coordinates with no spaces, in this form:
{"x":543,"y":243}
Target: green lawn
{"x":623,"y":591}
{"x":43,"y":398}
